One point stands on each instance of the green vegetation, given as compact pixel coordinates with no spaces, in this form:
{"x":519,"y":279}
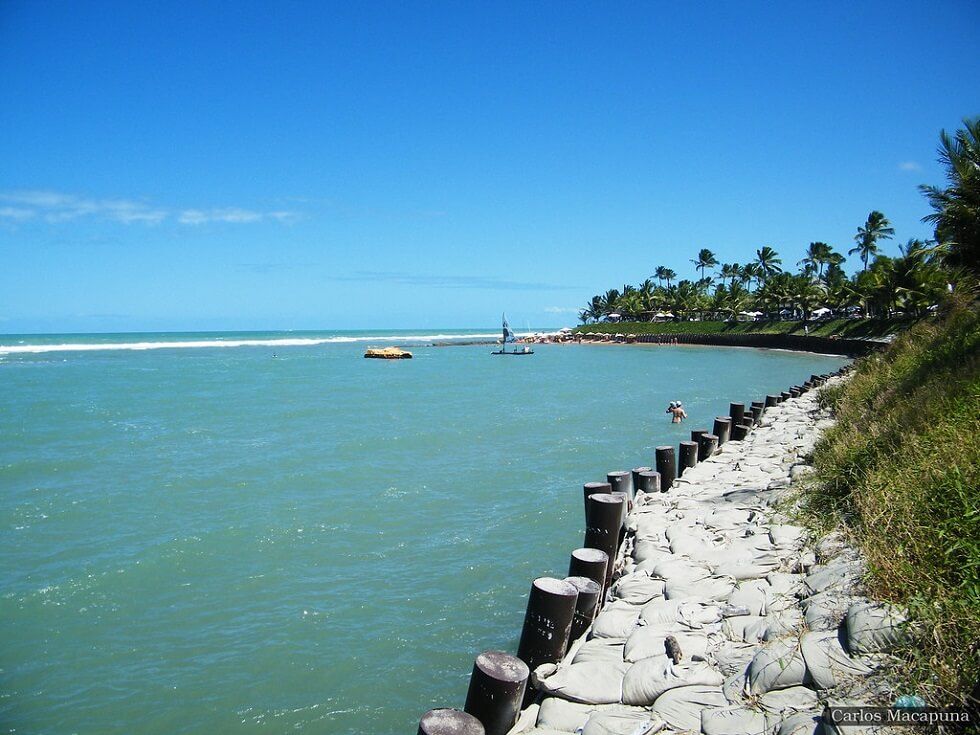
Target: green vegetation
{"x":843,"y":328}
{"x":901,"y":471}
{"x":886,"y":287}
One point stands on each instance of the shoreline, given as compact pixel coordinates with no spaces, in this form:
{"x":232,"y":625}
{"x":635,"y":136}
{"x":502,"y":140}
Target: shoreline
{"x":721,"y":614}
{"x":791,"y":342}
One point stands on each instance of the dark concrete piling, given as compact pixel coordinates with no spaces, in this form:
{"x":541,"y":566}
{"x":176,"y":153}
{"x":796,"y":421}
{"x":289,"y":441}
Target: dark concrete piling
{"x":592,"y":488}
{"x":667,"y":467}
{"x":771,"y":401}
{"x":621,"y":482}
{"x":649,"y":482}
{"x":796,"y":391}
{"x":497,"y":687}
{"x":785,"y":396}
{"x":636,"y":478}
{"x":739,"y":432}
{"x":590,"y":563}
{"x":707,"y":446}
{"x":586,"y":605}
{"x":756,"y":414}
{"x":723,"y":429}
{"x":548,"y":620}
{"x":697,"y":434}
{"x":603,"y":519}
{"x":449,"y":722}
{"x":735,"y":412}
{"x":688,"y":456}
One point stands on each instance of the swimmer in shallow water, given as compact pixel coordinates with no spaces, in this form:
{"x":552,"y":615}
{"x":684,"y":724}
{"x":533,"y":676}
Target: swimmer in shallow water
{"x":677,"y":412}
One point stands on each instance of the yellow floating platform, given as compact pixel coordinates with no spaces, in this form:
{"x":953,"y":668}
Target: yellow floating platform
{"x":388,"y":353}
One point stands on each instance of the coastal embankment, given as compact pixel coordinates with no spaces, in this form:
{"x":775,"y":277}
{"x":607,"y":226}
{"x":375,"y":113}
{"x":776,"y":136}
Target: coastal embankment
{"x":719,"y":615}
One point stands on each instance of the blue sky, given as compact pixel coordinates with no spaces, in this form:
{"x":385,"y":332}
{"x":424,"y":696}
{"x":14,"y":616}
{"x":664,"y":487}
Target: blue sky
{"x":233,"y":165}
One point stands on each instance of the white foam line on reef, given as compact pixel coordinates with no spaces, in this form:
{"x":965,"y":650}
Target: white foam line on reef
{"x":190,"y":344}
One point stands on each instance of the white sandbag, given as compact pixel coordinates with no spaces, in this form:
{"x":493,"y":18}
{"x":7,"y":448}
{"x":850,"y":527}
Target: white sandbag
{"x":682,"y":529}
{"x":874,"y":627}
{"x":734,"y":687}
{"x":746,"y":628}
{"x":733,"y":657}
{"x":689,"y":613}
{"x":827,"y":663}
{"x":778,"y":665}
{"x":786,"y":536}
{"x":648,"y":679}
{"x":803,"y":723}
{"x":729,"y":519}
{"x":561,"y":714}
{"x":637,"y":589}
{"x":615,"y":622}
{"x":692,"y":544}
{"x":789,"y":700}
{"x":735,"y":721}
{"x":842,"y":574}
{"x":783,"y":623}
{"x":599,"y":649}
{"x":590,"y":683}
{"x":712,"y":588}
{"x":648,"y":641}
{"x":637,"y":722}
{"x":681,"y":708}
{"x":676,"y":567}
{"x":784,"y":583}
{"x":648,"y":525}
{"x":752,"y":568}
{"x":650,"y":551}
{"x":826,"y":610}
{"x":751,"y":594}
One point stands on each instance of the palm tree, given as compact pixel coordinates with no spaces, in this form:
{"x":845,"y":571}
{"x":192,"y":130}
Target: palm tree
{"x":750,"y":271}
{"x":660,"y":273}
{"x":876,"y":228}
{"x":817,"y":256}
{"x":768,"y":260}
{"x":706,"y":259}
{"x":669,"y":275}
{"x":957,"y":215}
{"x":728,"y":270}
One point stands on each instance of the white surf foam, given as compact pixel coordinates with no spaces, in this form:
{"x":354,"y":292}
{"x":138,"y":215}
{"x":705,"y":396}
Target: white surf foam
{"x":283,"y":342}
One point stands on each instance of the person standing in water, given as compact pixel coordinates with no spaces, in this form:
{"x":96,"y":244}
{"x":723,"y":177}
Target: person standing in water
{"x":677,"y":412}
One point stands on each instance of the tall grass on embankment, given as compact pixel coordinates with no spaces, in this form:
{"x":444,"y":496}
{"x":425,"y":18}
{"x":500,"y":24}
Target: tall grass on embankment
{"x":901,"y":471}
{"x":844,"y":328}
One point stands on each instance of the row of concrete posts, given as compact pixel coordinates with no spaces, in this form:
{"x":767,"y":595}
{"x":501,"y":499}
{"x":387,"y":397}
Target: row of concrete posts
{"x":560,"y":611}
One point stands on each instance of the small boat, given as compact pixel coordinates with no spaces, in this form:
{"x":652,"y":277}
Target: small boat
{"x":509,"y":337}
{"x":388,"y":353}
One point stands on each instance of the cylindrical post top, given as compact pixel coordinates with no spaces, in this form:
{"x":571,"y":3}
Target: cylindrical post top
{"x":449,"y":722}
{"x":552,"y":586}
{"x":584,"y":585}
{"x":502,"y":666}
{"x":649,"y":482}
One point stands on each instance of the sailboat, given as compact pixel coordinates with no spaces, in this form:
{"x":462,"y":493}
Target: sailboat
{"x":510,"y":337}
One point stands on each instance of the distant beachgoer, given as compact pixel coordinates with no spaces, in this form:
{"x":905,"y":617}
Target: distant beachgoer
{"x":677,"y":412}
{"x":806,"y":329}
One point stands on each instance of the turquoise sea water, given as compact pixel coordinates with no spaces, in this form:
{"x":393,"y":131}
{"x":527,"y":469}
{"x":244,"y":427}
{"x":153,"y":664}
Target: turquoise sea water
{"x":212,"y":540}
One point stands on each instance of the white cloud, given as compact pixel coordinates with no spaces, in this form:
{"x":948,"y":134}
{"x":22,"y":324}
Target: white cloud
{"x":58,"y":207}
{"x":561,"y":310}
{"x":909,"y":166}
{"x":17,"y":213}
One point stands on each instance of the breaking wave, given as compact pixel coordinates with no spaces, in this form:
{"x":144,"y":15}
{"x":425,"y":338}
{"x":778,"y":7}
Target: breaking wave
{"x":8,"y":349}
